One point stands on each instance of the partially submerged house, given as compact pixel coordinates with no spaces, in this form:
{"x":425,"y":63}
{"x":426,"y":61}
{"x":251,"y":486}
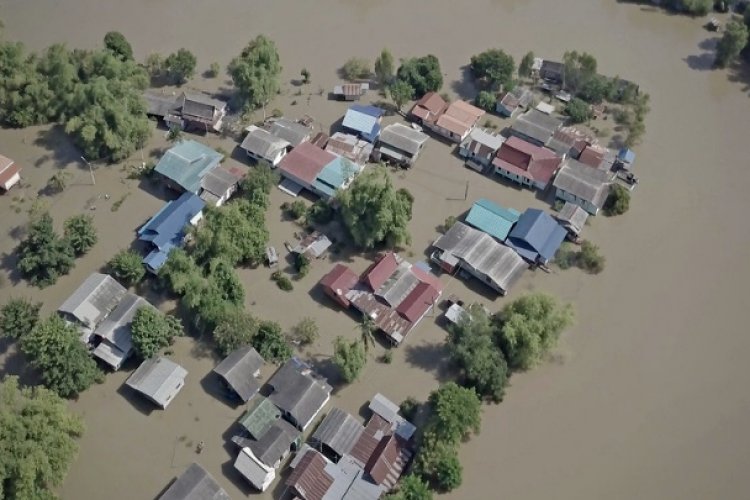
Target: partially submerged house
{"x":195,"y":484}
{"x":91,"y":302}
{"x":158,"y":379}
{"x":219,"y":184}
{"x":318,"y":171}
{"x":480,"y":146}
{"x":464,"y":248}
{"x":293,"y":132}
{"x":626,"y":158}
{"x":10,"y":173}
{"x":535,"y":127}
{"x":525,"y":163}
{"x":552,"y":72}
{"x":573,"y":218}
{"x":536,"y":236}
{"x":428,"y":108}
{"x":253,"y":469}
{"x":188,"y":111}
{"x":338,"y":282}
{"x":240,"y":371}
{"x":364,"y":121}
{"x":299,"y":392}
{"x":184,"y":165}
{"x":260,"y":415}
{"x":337,"y":433}
{"x":260,"y":458}
{"x":262,"y":145}
{"x":401,"y":144}
{"x":167,"y":229}
{"x":582,"y":185}
{"x":598,"y":157}
{"x":350,"y":91}
{"x":314,"y":245}
{"x":350,"y":147}
{"x":510,"y":103}
{"x":458,"y":119}
{"x":113,"y":336}
{"x":491,"y":218}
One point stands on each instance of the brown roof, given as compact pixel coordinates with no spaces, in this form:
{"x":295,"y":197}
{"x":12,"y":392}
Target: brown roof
{"x":309,"y":479}
{"x":320,"y":139}
{"x":340,"y":278}
{"x":305,"y":162}
{"x":368,"y":441}
{"x":527,"y":160}
{"x":429,"y":106}
{"x":381,"y":271}
{"x":7,"y":172}
{"x":459,"y":117}
{"x":416,"y":304}
{"x":386,"y":463}
{"x":592,"y":156}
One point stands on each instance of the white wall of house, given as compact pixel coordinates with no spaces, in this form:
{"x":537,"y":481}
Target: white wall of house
{"x":272,"y":159}
{"x":586,"y":205}
{"x":447,"y":133}
{"x":514,"y":177}
{"x":11,"y":182}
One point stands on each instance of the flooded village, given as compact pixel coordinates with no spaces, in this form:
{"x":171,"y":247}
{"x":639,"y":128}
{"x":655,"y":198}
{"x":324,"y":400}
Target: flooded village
{"x":644,"y":394}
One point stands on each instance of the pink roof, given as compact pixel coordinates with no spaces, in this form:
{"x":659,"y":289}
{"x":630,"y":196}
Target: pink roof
{"x":381,"y":271}
{"x":418,"y":302}
{"x":340,"y":278}
{"x":427,"y":277}
{"x":305,"y":162}
{"x":527,"y":160}
{"x":429,"y":106}
{"x":459,"y":117}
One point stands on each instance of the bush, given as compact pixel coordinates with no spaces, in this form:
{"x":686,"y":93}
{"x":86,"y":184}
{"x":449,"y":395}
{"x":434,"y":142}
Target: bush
{"x":486,"y":100}
{"x":387,"y":357}
{"x":180,"y":66}
{"x":409,"y":408}
{"x":618,"y":201}
{"x":578,"y":110}
{"x":306,"y":331}
{"x":153,"y":331}
{"x":349,"y":357}
{"x":213,"y":70}
{"x":321,"y":212}
{"x":437,"y":463}
{"x":18,"y":317}
{"x":589,"y":259}
{"x":302,"y":264}
{"x":296,"y":209}
{"x":305,"y":74}
{"x":282,"y":281}
{"x":127,"y":267}
{"x":234,"y":331}
{"x":80,"y":233}
{"x":566,"y":256}
{"x":356,"y":68}
{"x":270,"y":343}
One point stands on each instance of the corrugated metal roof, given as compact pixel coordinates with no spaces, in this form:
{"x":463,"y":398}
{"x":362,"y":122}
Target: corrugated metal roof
{"x":186,"y":163}
{"x":536,"y":235}
{"x":115,"y":331}
{"x":260,"y":416}
{"x":340,"y":278}
{"x":158,"y":378}
{"x":536,"y":125}
{"x":263,"y":143}
{"x":275,"y":443}
{"x":382,"y":270}
{"x":166,"y":229}
{"x":492,"y":218}
{"x":305,"y":162}
{"x":338,"y":172}
{"x":339,"y":431}
{"x":398,"y":285}
{"x":364,"y":120}
{"x":96,"y":297}
{"x":218,"y":181}
{"x":238,"y":371}
{"x":195,"y":484}
{"x":253,"y":469}
{"x":584,"y":182}
{"x":298,"y":392}
{"x":399,"y":136}
{"x":309,"y":478}
{"x":293,"y":132}
{"x":573,"y":217}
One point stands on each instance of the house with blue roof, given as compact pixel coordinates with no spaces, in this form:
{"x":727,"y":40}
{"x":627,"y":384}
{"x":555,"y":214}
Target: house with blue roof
{"x":364,"y":121}
{"x":184,"y":165}
{"x":166,"y":229}
{"x":536,"y":236}
{"x":626,"y":158}
{"x":337,"y":174}
{"x":492,"y":219}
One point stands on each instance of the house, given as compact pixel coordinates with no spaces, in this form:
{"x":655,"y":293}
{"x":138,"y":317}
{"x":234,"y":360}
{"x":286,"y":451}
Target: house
{"x":492,"y":218}
{"x":337,"y":433}
{"x":464,"y":248}
{"x":525,"y":163}
{"x":480,"y":146}
{"x":337,"y":282}
{"x":562,"y":143}
{"x":240,"y":370}
{"x":260,"y":415}
{"x":314,"y":245}
{"x":259,"y":458}
{"x":262,"y":145}
{"x":512,"y":102}
{"x":428,"y":108}
{"x":219,"y":184}
{"x":195,"y":484}
{"x":196,"y":112}
{"x":350,"y":147}
{"x":552,"y":72}
{"x":254,"y":470}
{"x":597,"y":157}
{"x":293,"y":132}
{"x":626,"y":158}
{"x":535,"y":127}
{"x":158,"y":379}
{"x":298,"y":392}
{"x":91,"y":302}
{"x":10,"y":173}
{"x":582,"y":185}
{"x":112,"y":336}
{"x":311,"y":476}
{"x":350,"y":91}
{"x":536,"y":236}
{"x":572,"y":218}
{"x":184,"y":165}
{"x":364,"y":121}
{"x":309,"y":167}
{"x":401,"y":144}
{"x":458,"y":119}
{"x":166,"y":230}
{"x":390,"y":412}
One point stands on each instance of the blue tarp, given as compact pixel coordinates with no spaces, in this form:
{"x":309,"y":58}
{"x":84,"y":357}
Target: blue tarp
{"x":536,"y":236}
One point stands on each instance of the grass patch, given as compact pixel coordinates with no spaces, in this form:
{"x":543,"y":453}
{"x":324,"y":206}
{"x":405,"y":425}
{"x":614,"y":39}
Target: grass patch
{"x":116,"y":205}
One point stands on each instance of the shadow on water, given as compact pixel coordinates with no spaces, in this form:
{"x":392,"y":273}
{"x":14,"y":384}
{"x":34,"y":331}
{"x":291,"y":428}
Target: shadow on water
{"x":465,"y":87}
{"x":137,"y":401}
{"x":60,"y":148}
{"x":429,"y":357}
{"x":705,"y":60}
{"x":740,"y":73}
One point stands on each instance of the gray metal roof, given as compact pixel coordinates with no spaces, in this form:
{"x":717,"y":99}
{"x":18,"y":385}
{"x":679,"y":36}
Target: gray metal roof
{"x":339,"y":431}
{"x":536,"y":125}
{"x":218,"y":181}
{"x":297,"y":391}
{"x":201,"y":106}
{"x":398,"y":285}
{"x":584,"y":182}
{"x":275,"y":443}
{"x":481,"y":252}
{"x":349,"y":482}
{"x":263,"y":143}
{"x":572,"y":217}
{"x":93,"y":299}
{"x":293,"y":132}
{"x":401,"y":137}
{"x":115,"y":332}
{"x":160,"y":104}
{"x":195,"y":484}
{"x":159,"y":379}
{"x":389,"y":411}
{"x":239,"y":369}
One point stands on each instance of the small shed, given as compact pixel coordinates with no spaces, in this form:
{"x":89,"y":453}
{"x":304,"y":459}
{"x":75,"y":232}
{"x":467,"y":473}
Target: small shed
{"x":572,"y":218}
{"x":338,"y":282}
{"x":10,"y":173}
{"x":350,"y":91}
{"x":626,"y":158}
{"x":253,"y":470}
{"x":240,"y":370}
{"x":338,"y":433}
{"x":313,"y":245}
{"x":158,"y":379}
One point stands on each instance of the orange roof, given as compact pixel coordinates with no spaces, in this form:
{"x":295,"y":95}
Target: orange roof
{"x":459,"y":117}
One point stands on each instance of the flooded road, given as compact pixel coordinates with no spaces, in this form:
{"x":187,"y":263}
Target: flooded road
{"x":647,"y":395}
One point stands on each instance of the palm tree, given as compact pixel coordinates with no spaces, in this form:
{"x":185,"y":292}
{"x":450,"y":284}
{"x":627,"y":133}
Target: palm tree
{"x":367,"y":329}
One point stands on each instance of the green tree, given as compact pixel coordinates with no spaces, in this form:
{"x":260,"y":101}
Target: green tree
{"x":258,"y":183}
{"x":234,"y":331}
{"x":486,"y":100}
{"x":494,"y":67}
{"x":223,"y":275}
{"x":255,"y":72}
{"x":18,"y":317}
{"x":59,"y":181}
{"x":437,"y":463}
{"x":589,"y":258}
{"x":43,"y":256}
{"x":578,"y":110}
{"x":356,"y":68}
{"x":692,"y":7}
{"x":321,"y":212}
{"x":127,"y":267}
{"x":213,"y":70}
{"x":401,"y":93}
{"x":154,"y":65}
{"x":423,"y":74}
{"x":618,"y":200}
{"x":270,"y":343}
{"x":152,"y":331}
{"x":374,"y":212}
{"x":55,"y":349}
{"x":411,"y":487}
{"x":409,"y":408}
{"x":349,"y":357}
{"x":732,"y":42}
{"x":385,"y":68}
{"x":528,"y":327}
{"x":38,"y":438}
{"x":116,"y":42}
{"x":235,"y":232}
{"x":367,"y":329}
{"x":595,"y":89}
{"x":296,"y":209}
{"x":80,"y":233}
{"x":302,"y":264}
{"x":524,"y":67}
{"x":578,"y":69}
{"x":175,"y":134}
{"x":306,"y":331}
{"x":456,"y":413}
{"x":180,"y":66}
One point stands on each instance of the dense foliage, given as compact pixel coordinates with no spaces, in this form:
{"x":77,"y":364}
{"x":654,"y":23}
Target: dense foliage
{"x":356,"y":68}
{"x":494,"y":67}
{"x":306,"y":331}
{"x":349,"y":357}
{"x":385,"y":68}
{"x":411,"y":487}
{"x":115,"y":42}
{"x":486,"y":100}
{"x":80,"y":233}
{"x":423,"y":74}
{"x":126,"y":266}
{"x":618,"y":200}
{"x":374,"y":212}
{"x":180,"y":66}
{"x":18,"y":317}
{"x":235,"y":232}
{"x":270,"y":343}
{"x":732,"y":42}
{"x":235,"y":330}
{"x":587,"y":257}
{"x":401,"y":93}
{"x":38,"y":441}
{"x":437,"y":463}
{"x":255,"y":72}
{"x":579,"y":68}
{"x":43,"y":256}
{"x":456,"y":413}
{"x":524,"y":67}
{"x":152,"y":331}
{"x":578,"y":110}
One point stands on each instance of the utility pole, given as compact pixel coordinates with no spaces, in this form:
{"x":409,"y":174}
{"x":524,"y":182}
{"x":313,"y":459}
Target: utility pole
{"x":91,"y":170}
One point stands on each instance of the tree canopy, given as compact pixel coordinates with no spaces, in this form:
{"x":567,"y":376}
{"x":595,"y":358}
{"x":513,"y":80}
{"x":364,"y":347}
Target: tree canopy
{"x":349,"y":357}
{"x":437,"y":463}
{"x":356,"y":68}
{"x":578,"y":69}
{"x":524,"y":67}
{"x":152,"y":331}
{"x":731,"y":43}
{"x":235,"y":232}
{"x":385,"y":68}
{"x":38,"y":440}
{"x":18,"y":317}
{"x":423,"y":74}
{"x":55,"y":349}
{"x":486,"y":100}
{"x":270,"y":343}
{"x":126,"y":267}
{"x":43,"y":256}
{"x":116,"y":42}
{"x":578,"y":110}
{"x":236,"y":330}
{"x":374,"y":212}
{"x":180,"y":66}
{"x":80,"y":233}
{"x":618,"y":200}
{"x":255,"y":72}
{"x":401,"y":93}
{"x":456,"y":413}
{"x":493,"y":66}
{"x":411,"y":487}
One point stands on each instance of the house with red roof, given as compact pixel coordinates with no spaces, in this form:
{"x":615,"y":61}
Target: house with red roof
{"x":10,"y":173}
{"x":427,"y":109}
{"x":338,"y":282}
{"x":525,"y":163}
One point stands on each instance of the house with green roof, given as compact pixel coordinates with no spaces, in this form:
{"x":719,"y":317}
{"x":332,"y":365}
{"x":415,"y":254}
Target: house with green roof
{"x":261,"y":414}
{"x":492,"y":219}
{"x":186,"y":163}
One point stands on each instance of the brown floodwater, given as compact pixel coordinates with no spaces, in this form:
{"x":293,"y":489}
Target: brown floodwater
{"x":646,"y":396}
